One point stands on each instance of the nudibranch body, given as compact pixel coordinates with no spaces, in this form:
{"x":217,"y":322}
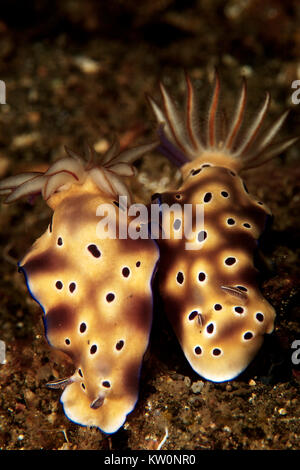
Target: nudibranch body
{"x":210,"y":293}
{"x":95,"y":292}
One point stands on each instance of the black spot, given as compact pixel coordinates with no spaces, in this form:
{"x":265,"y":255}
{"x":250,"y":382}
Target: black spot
{"x":218,"y":307}
{"x":138,"y":264}
{"x":59,"y":241}
{"x":120,"y":345}
{"x":80,"y":372}
{"x":210,"y":328}
{"x":198,"y":350}
{"x":83,"y":386}
{"x":260,"y":203}
{"x":67,"y":341}
{"x":106,"y":384}
{"x":232,"y":173}
{"x":82,"y":327}
{"x":224,"y":193}
{"x":207,"y":197}
{"x":93,"y":349}
{"x":196,"y":172}
{"x":177,"y":224}
{"x":59,"y":285}
{"x":110,"y":297}
{"x":72,"y":287}
{"x":178,"y":196}
{"x":247,"y":225}
{"x":216,"y":352}
{"x":193,"y":314}
{"x":239,"y":309}
{"x":206,"y":165}
{"x":242,"y":288}
{"x":230,"y":261}
{"x":201,"y":276}
{"x":180,"y":277}
{"x":125,"y":271}
{"x":202,"y":236}
{"x":245,"y":187}
{"x":230,"y":221}
{"x":248,"y":335}
{"x":260,"y":317}
{"x":51,"y":225}
{"x":93,"y":249}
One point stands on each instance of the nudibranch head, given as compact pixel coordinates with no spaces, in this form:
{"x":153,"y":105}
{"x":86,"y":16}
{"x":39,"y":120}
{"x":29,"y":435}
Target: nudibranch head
{"x":185,"y":144}
{"x":106,"y":174}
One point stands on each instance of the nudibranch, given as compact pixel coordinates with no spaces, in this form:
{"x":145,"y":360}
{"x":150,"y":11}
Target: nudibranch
{"x":95,"y":292}
{"x":210,"y":293}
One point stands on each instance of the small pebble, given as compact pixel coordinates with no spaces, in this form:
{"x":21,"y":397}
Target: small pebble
{"x":29,"y":397}
{"x":187,"y":381}
{"x":25,"y":140}
{"x":87,"y":65}
{"x":197,"y":386}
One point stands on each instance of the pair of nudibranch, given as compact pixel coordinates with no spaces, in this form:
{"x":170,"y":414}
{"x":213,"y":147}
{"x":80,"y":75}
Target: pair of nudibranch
{"x":96,"y":294}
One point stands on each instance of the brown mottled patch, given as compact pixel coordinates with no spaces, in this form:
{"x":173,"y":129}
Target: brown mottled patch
{"x":244,"y":275}
{"x":60,"y":319}
{"x":131,"y":377}
{"x":238,"y":238}
{"x":231,"y":328}
{"x":47,"y":261}
{"x":139,"y":315}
